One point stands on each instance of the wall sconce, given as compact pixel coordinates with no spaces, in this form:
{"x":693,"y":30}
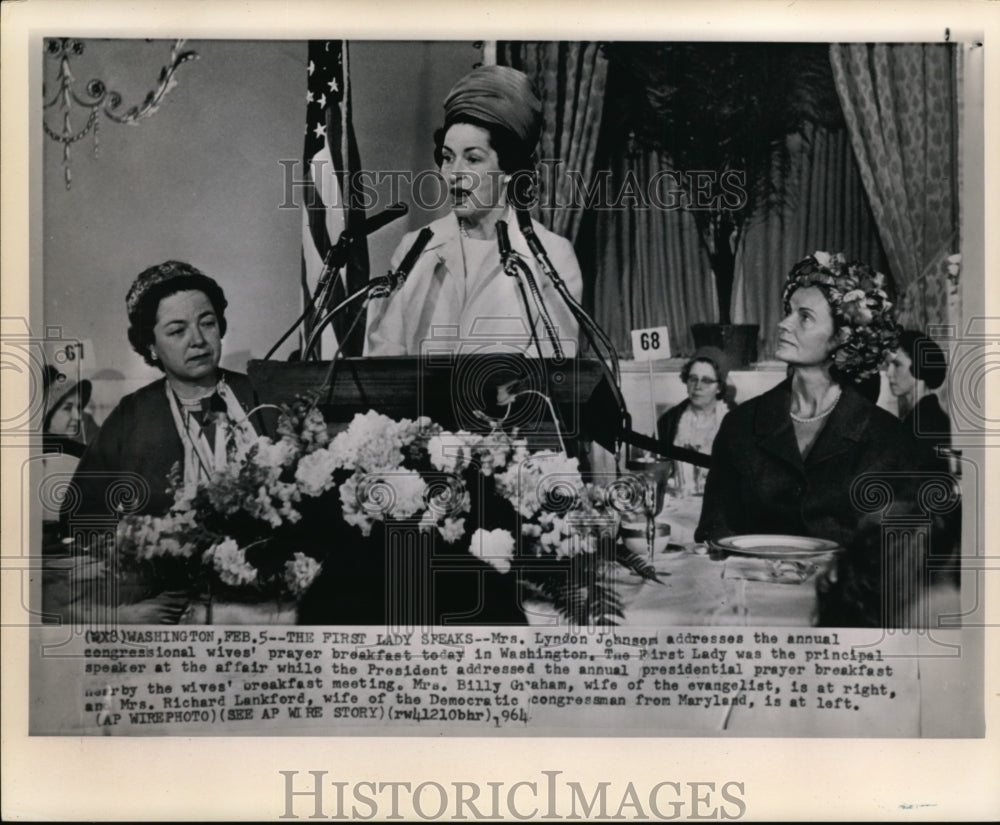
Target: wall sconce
{"x":98,"y":97}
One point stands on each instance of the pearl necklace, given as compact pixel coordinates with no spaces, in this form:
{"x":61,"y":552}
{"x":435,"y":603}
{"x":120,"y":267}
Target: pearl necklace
{"x":818,"y":416}
{"x":464,"y":231}
{"x":463,"y":228}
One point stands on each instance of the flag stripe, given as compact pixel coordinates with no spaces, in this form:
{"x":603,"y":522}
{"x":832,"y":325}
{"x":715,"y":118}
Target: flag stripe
{"x":330,"y":157}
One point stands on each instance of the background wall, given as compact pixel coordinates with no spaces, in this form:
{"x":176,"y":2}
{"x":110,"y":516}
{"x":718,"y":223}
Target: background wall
{"x":399,"y":88}
{"x":201,"y":181}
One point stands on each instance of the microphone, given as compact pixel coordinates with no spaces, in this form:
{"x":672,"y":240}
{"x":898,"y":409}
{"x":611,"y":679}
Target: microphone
{"x":535,"y":245}
{"x":336,"y":256}
{"x":524,"y":223}
{"x":520,"y":194}
{"x":503,"y":240}
{"x":376,"y":287}
{"x":591,"y":329}
{"x":515,"y":266}
{"x":415,"y":251}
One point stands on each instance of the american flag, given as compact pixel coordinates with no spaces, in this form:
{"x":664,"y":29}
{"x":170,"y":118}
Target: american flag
{"x":329,"y":199}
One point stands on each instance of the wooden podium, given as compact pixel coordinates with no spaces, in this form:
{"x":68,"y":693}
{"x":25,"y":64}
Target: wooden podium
{"x":459,"y":392}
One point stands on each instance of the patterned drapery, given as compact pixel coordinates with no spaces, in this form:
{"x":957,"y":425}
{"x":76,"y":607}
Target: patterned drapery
{"x":570,"y":78}
{"x":899,"y":102}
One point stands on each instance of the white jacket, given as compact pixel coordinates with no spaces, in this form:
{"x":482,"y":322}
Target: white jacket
{"x":440,"y":309}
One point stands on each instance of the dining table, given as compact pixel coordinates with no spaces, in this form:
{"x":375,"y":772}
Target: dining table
{"x":694,"y":585}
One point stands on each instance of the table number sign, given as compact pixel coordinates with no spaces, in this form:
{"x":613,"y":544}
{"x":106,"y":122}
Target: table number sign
{"x":650,"y":344}
{"x":72,"y":357}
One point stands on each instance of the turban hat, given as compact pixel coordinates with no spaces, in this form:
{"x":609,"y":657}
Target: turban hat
{"x":497,"y":95}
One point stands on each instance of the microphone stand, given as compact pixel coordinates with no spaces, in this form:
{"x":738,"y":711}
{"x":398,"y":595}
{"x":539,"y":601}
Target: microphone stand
{"x":583,"y":317}
{"x":515,"y":266}
{"x":527,"y":311}
{"x":319,"y":299}
{"x":381,"y":287}
{"x":375,"y":288}
{"x":334,"y":260}
{"x":591,"y":329}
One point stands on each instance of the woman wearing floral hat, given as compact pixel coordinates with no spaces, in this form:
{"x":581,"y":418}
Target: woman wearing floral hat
{"x":785,"y":461}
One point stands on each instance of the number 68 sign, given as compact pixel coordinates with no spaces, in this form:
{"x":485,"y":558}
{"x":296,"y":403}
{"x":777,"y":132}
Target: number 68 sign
{"x":649,"y":344}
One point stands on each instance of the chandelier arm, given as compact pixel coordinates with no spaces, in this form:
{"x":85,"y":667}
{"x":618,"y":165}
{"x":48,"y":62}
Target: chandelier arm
{"x":99,"y":97}
{"x":154,"y":98}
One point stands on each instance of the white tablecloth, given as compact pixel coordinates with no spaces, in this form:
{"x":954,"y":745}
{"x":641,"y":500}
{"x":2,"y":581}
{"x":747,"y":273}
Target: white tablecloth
{"x":693,"y":589}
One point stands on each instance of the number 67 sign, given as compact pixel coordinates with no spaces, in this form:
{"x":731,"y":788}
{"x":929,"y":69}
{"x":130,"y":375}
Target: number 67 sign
{"x":72,"y":357}
{"x":649,"y":344}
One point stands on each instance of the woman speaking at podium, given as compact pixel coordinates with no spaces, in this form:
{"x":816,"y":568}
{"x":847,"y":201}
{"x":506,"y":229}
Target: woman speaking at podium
{"x":457,"y":297}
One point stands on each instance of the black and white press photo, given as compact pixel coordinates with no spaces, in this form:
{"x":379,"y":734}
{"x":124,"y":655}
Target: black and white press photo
{"x":599,"y":387}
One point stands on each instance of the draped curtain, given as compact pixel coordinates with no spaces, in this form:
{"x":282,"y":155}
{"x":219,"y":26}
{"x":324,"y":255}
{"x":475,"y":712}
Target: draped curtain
{"x":882,"y":191}
{"x":826,"y":209}
{"x":651,"y":269}
{"x":570,"y":78}
{"x":900,"y":105}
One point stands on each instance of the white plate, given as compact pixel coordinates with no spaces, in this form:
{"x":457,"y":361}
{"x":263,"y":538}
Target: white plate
{"x":777,"y":547}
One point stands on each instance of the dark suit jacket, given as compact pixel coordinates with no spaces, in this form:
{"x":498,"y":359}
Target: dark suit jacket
{"x":666,"y":427}
{"x":759,"y":482}
{"x":929,"y":423}
{"x":135,"y":450}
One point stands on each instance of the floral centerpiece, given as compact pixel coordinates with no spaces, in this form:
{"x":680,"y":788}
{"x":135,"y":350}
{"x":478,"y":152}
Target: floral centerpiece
{"x":309,"y":515}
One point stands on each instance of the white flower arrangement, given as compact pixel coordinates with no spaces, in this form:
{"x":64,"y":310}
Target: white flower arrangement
{"x":314,"y":475}
{"x":532,"y":479}
{"x":245,"y":528}
{"x":374,"y":441}
{"x":300,"y":572}
{"x":493,"y":546}
{"x":230,"y":562}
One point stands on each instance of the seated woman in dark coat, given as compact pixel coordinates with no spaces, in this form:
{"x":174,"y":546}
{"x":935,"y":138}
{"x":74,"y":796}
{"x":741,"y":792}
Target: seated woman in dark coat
{"x":695,"y":422}
{"x":916,"y":369}
{"x":61,"y":451}
{"x":789,"y":461}
{"x":176,"y":323}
